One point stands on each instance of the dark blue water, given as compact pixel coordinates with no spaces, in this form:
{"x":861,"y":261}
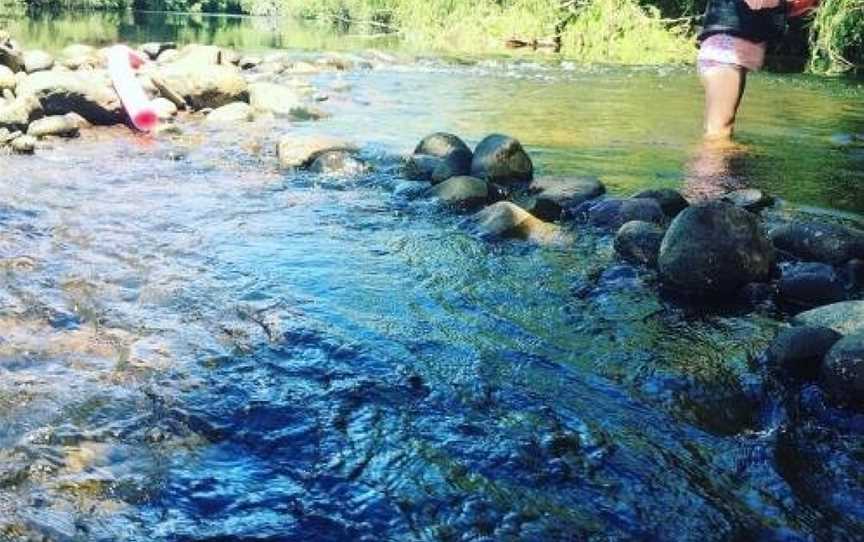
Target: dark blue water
{"x":195,"y":346}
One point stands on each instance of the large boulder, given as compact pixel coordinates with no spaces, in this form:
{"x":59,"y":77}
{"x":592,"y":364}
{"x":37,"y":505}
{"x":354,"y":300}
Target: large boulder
{"x":827,"y":243}
{"x":24,"y":144}
{"x":843,"y":370}
{"x":202,"y":85}
{"x":37,"y":61}
{"x":670,"y":201}
{"x":421,"y":167}
{"x":297,"y":151}
{"x":798,"y":351}
{"x":463,"y":192}
{"x":68,"y":92}
{"x":715,"y":248}
{"x":505,"y":219}
{"x":639,"y":242}
{"x":455,"y":155}
{"x":56,"y":125}
{"x":552,"y":196}
{"x":846,"y":317}
{"x":501,"y":159}
{"x":811,"y":284}
{"x":273,"y":98}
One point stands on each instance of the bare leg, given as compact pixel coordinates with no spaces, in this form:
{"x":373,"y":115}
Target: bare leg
{"x":724,"y":87}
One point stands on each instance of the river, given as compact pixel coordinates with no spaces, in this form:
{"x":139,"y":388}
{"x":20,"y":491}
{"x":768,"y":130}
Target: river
{"x":197,"y":346}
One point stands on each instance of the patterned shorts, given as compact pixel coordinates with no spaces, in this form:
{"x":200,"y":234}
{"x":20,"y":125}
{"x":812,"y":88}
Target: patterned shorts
{"x":725,"y":50}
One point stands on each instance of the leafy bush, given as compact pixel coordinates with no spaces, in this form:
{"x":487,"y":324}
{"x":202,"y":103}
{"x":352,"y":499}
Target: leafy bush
{"x":837,"y":36}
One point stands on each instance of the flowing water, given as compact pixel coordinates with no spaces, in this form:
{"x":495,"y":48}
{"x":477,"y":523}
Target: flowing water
{"x":197,"y":346}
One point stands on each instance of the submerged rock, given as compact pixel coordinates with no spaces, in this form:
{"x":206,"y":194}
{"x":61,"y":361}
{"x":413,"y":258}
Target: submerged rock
{"x":231,"y":113}
{"x":501,"y":159}
{"x":799,"y":351}
{"x":639,"y":242}
{"x":338,"y":163}
{"x":295,"y":151}
{"x":57,"y":125}
{"x":715,"y":248}
{"x":505,"y":219}
{"x":819,"y":242}
{"x":843,"y":370}
{"x":37,"y":61}
{"x":810,"y":285}
{"x":463,"y":192}
{"x":845,"y":318}
{"x":670,"y":201}
{"x":454,"y":154}
{"x":68,"y":92}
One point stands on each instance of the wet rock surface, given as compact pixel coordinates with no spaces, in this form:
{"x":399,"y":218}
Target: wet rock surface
{"x":799,"y":351}
{"x":501,"y":159}
{"x":811,"y":285}
{"x":670,"y":201}
{"x":827,"y":243}
{"x":60,"y":93}
{"x":715,"y":248}
{"x":846,"y":317}
{"x":844,"y":369}
{"x":463,"y":192}
{"x":639,"y":242}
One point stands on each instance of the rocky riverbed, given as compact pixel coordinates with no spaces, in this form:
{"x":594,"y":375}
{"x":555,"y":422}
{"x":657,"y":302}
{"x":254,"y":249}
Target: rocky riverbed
{"x":211,"y":335}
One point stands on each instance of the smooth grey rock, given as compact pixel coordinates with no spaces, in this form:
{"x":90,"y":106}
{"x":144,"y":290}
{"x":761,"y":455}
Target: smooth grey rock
{"x":553,"y":195}
{"x":811,"y":285}
{"x":464,"y":192}
{"x":846,"y":317}
{"x":827,"y":243}
{"x":277,"y":99}
{"x":165,"y":108}
{"x":715,"y":248}
{"x":501,"y":159}
{"x":56,"y":125}
{"x":799,"y":351}
{"x":231,"y":113}
{"x":67,"y":92}
{"x":295,"y":151}
{"x":639,"y":242}
{"x":11,"y":55}
{"x":452,"y":150}
{"x":843,"y":370}
{"x":671,"y":201}
{"x":37,"y":61}
{"x":201,"y":85}
{"x":614,"y":213}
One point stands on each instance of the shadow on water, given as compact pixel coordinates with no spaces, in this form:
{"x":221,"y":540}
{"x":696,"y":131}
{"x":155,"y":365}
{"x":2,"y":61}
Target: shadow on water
{"x":196,"y":346}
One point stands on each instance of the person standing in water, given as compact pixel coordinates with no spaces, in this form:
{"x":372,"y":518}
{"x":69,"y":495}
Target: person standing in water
{"x":733,"y":41}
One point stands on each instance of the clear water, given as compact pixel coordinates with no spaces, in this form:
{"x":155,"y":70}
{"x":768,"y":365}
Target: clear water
{"x":196,"y":346}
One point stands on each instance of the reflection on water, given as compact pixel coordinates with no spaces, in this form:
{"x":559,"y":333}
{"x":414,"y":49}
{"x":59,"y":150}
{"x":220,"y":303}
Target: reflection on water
{"x":196,"y":346}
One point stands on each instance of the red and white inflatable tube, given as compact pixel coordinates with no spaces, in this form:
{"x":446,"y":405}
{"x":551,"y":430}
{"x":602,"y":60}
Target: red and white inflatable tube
{"x":121,"y":61}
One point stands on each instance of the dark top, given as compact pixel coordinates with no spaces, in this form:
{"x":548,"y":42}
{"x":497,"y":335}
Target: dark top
{"x":734,"y":17}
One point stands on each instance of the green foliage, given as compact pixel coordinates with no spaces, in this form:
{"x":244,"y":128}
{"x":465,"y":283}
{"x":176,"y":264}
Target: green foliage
{"x":837,"y":36}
